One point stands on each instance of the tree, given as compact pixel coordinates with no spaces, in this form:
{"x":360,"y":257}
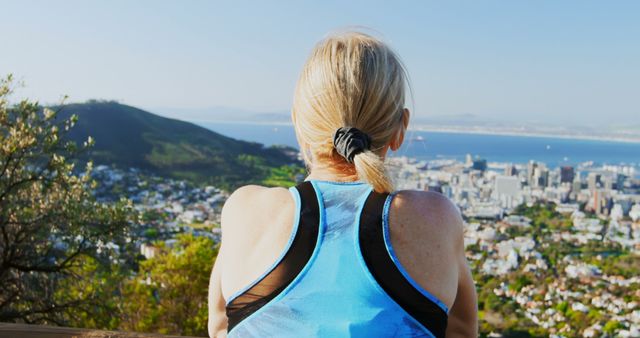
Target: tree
{"x":169,"y":293}
{"x":103,"y":283}
{"x":50,"y":223}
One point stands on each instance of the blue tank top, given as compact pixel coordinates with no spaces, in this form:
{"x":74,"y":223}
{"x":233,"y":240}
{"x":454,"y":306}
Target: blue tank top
{"x":338,"y":275}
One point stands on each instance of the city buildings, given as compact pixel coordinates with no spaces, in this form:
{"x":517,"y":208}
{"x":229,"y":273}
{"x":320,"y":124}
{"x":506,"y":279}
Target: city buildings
{"x":536,"y":265}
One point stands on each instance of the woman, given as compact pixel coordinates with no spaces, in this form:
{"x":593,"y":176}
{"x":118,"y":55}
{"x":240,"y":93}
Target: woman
{"x":343,"y":254}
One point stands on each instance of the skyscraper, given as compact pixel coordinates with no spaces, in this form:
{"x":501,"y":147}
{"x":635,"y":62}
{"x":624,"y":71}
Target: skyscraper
{"x":577,"y":184}
{"x":510,"y":170}
{"x":620,"y":179}
{"x":468,"y":160}
{"x":538,"y":176}
{"x":566,"y":174}
{"x":480,"y":164}
{"x":531,"y":167}
{"x":593,"y":181}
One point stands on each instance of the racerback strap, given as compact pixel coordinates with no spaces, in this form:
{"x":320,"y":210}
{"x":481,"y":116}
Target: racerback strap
{"x":373,"y":250}
{"x":387,"y":274}
{"x":290,"y":265}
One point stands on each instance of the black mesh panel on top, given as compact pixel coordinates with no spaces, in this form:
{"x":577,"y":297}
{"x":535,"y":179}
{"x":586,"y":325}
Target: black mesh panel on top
{"x":387,"y":273}
{"x":290,"y":265}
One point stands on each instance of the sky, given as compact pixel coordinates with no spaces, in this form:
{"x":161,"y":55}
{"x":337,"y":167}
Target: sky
{"x":565,"y":62}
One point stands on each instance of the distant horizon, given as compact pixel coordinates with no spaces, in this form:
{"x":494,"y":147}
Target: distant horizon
{"x":206,"y":113}
{"x":438,"y":123}
{"x":434,"y":145}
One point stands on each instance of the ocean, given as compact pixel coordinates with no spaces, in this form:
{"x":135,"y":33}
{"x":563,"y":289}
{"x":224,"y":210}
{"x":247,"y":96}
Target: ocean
{"x":429,"y":145}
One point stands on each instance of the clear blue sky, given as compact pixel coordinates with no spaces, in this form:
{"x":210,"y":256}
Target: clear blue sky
{"x":572,"y":61}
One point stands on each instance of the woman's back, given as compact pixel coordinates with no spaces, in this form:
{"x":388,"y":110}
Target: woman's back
{"x":339,"y":260}
{"x":355,"y":258}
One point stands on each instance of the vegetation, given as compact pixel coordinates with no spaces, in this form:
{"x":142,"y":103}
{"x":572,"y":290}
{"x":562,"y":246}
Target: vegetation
{"x":625,"y":264}
{"x":504,"y":315}
{"x":283,"y":176}
{"x":67,"y":259}
{"x":50,"y":224}
{"x":130,"y":137}
{"x":169,"y":293}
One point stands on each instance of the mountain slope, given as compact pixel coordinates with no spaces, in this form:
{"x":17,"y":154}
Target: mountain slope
{"x":130,"y":137}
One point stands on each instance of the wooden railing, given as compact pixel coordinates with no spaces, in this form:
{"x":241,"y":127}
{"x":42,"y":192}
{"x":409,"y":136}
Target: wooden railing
{"x":41,"y":331}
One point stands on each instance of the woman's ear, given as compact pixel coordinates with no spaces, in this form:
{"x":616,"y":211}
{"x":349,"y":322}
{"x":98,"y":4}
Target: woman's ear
{"x":406,"y":115}
{"x":397,"y":140}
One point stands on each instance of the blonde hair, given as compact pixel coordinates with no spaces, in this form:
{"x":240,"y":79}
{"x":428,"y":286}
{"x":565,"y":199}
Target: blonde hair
{"x":350,"y":79}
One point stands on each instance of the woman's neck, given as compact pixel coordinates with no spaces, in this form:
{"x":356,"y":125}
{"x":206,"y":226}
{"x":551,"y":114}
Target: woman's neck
{"x":326,"y":174}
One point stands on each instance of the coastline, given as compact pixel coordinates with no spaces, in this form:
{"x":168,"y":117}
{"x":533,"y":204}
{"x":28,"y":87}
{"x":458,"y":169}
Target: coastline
{"x":527,"y":134}
{"x":470,"y":130}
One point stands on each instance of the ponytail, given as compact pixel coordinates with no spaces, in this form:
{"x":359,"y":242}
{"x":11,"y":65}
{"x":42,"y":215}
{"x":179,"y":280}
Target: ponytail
{"x":371,"y":169}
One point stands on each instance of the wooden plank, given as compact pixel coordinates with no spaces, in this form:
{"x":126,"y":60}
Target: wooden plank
{"x":8,"y":330}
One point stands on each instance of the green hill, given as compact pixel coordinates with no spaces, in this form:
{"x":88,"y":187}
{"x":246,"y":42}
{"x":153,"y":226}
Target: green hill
{"x":127,"y":137}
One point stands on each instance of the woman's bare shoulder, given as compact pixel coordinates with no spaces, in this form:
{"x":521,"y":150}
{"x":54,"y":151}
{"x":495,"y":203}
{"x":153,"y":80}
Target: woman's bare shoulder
{"x":252,"y":202}
{"x":428,"y":213}
{"x":256,"y":223}
{"x":426,"y":233}
{"x":252,"y":211}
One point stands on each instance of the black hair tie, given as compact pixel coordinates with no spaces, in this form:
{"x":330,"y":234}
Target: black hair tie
{"x":350,"y":141}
